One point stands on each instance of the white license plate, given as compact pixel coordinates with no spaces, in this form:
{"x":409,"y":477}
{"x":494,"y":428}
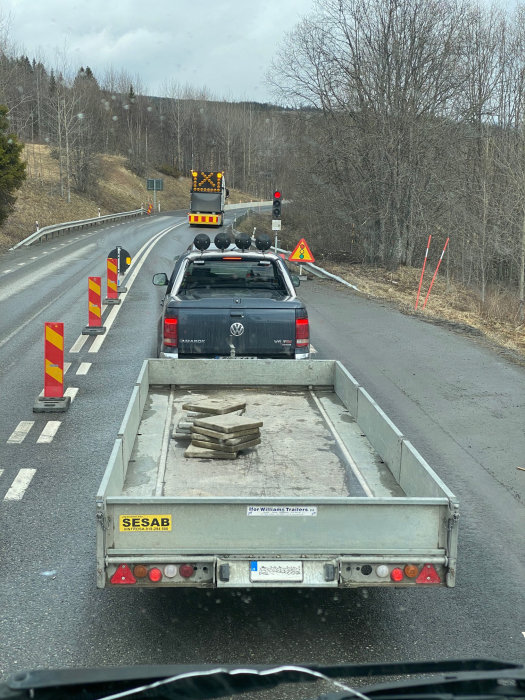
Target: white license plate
{"x":276,"y":571}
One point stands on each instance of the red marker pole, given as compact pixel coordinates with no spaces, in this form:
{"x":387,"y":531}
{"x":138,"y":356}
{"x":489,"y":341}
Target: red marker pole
{"x":435,"y":273}
{"x":53,"y":400}
{"x":112,"y":282}
{"x":423,"y":270}
{"x":94,"y":308}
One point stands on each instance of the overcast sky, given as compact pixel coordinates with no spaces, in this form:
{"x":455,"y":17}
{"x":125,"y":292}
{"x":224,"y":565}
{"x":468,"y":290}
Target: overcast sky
{"x":223,"y":45}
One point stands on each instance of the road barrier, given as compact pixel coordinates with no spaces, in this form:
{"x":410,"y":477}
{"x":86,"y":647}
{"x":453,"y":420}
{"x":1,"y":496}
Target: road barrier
{"x":49,"y":231}
{"x":53,"y":400}
{"x":112,"y":282}
{"x":95,"y":326}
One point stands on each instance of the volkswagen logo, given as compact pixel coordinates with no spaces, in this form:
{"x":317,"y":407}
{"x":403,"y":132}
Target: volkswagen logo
{"x":236,"y":329}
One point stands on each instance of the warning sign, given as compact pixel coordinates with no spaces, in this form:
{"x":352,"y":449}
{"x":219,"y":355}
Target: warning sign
{"x":301,"y":253}
{"x":144,"y":523}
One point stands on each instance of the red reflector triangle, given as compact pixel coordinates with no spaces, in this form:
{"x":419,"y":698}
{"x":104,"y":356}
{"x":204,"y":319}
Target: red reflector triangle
{"x":123,"y":575}
{"x":428,"y":575}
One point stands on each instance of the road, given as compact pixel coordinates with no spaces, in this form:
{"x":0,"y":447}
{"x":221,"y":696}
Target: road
{"x":460,"y":402}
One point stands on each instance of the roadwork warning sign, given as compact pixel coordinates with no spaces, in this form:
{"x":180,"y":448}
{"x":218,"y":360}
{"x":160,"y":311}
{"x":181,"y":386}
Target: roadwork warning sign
{"x":301,"y":253}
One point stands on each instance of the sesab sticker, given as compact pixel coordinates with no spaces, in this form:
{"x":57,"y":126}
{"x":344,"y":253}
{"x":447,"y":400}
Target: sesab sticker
{"x":145,"y":523}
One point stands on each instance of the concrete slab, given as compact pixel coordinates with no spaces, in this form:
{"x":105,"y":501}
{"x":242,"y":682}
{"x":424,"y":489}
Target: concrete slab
{"x":228,"y":424}
{"x":223,"y":447}
{"x":201,"y":453}
{"x":214,"y":406}
{"x":221,"y":436}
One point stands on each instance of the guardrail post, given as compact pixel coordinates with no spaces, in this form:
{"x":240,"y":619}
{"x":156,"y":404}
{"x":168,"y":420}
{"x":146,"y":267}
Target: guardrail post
{"x":53,"y":400}
{"x":94,"y":308}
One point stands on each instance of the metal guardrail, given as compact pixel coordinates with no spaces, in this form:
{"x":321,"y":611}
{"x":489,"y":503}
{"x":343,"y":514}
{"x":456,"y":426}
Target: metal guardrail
{"x":47,"y":231}
{"x":318,"y":271}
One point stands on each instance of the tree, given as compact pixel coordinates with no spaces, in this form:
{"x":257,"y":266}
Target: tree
{"x":12,"y":167}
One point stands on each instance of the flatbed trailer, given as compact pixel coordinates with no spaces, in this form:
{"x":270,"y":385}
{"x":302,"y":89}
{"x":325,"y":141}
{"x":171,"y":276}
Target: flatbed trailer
{"x":333,"y":496}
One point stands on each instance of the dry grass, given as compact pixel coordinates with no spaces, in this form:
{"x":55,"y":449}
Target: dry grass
{"x":460,"y":307}
{"x":40,"y":199}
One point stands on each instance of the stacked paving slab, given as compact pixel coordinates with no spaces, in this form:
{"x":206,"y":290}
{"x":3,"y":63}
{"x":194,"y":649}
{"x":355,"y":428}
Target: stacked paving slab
{"x":219,"y":430}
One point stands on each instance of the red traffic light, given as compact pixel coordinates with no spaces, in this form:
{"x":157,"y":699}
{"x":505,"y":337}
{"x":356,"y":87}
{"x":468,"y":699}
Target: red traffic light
{"x":277,"y":195}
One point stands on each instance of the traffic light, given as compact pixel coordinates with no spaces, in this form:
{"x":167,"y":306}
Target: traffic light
{"x":276,"y":207}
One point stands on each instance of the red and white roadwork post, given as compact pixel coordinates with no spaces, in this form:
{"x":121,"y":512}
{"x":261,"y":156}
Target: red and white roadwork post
{"x":435,"y":273}
{"x":53,"y":400}
{"x":423,"y":271}
{"x":112,"y":282}
{"x":95,"y":326}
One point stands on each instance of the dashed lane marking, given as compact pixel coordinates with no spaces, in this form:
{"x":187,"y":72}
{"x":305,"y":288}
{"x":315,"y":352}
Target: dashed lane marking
{"x":312,"y":349}
{"x":71,"y":391}
{"x":79,"y":343}
{"x":20,"y":432}
{"x":6,"y":271}
{"x":19,"y":485}
{"x":84,"y":368}
{"x":49,"y":432}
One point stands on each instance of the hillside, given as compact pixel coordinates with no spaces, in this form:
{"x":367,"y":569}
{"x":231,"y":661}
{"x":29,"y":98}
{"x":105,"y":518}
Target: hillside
{"x":118,"y":189}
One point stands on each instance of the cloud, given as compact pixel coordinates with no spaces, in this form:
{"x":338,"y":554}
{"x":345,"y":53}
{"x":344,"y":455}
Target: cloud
{"x":225,"y":46}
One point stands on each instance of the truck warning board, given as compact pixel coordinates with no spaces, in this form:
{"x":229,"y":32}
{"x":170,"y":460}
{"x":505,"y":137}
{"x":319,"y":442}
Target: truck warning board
{"x":206,"y":181}
{"x":145,"y":523}
{"x":301,"y":253}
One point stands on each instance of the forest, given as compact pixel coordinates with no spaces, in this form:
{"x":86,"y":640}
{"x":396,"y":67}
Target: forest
{"x":393,"y":120}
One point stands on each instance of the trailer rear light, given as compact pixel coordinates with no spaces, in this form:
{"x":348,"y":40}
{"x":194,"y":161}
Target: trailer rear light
{"x":186,"y":570}
{"x":171,"y":334}
{"x":123,"y":575}
{"x":396,"y":574}
{"x":428,"y":575}
{"x":302,"y":328}
{"x":140,"y":571}
{"x":382,"y":571}
{"x":155,"y":574}
{"x":411,"y":571}
{"x":170,"y":570}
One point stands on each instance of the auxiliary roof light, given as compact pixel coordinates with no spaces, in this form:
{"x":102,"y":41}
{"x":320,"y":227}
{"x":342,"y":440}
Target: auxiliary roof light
{"x":222,"y":240}
{"x":243,"y":241}
{"x":263,"y":242}
{"x":201,"y":241}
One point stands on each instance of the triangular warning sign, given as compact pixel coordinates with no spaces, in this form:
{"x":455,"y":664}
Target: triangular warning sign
{"x":301,"y":253}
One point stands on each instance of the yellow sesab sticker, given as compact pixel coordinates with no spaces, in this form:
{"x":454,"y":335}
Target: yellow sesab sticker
{"x":145,"y":523}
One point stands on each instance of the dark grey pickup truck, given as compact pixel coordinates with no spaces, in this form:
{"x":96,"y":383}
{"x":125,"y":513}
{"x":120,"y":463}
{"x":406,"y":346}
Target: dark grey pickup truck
{"x":232,"y":301}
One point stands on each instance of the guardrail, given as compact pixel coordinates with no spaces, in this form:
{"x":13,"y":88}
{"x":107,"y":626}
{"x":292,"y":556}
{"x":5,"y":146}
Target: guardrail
{"x":47,"y":231}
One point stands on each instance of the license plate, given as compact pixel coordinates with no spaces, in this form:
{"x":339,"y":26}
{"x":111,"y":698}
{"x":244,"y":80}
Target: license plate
{"x":276,"y":571}
{"x":237,"y":357}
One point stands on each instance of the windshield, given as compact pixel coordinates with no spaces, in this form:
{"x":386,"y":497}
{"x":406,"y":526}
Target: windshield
{"x":305,"y":442}
{"x":232,"y":273}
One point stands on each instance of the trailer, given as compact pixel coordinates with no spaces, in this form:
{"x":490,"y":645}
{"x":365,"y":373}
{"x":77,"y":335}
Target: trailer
{"x":333,"y":495}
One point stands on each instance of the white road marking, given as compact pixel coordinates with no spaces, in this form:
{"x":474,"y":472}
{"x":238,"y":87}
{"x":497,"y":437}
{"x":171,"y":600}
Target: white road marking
{"x":84,"y":368}
{"x":71,"y":391}
{"x":1,"y":472}
{"x":19,"y":485}
{"x":6,"y":271}
{"x":312,"y":349}
{"x":20,"y":264}
{"x":79,"y":343}
{"x":49,"y":432}
{"x":67,"y":365}
{"x":20,"y":432}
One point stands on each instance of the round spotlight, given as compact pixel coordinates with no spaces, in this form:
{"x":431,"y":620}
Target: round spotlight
{"x":222,"y":241}
{"x":263,"y":241}
{"x":201,"y":241}
{"x":243,"y":241}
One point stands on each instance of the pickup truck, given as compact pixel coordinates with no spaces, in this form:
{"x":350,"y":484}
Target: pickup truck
{"x":231,"y":301}
{"x":331,"y":495}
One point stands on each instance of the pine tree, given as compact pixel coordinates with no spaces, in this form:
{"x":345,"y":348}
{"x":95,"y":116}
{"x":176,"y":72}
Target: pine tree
{"x":12,"y":167}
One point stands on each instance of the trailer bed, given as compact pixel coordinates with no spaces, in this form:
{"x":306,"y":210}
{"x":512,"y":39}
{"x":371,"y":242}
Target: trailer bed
{"x":310,"y":447}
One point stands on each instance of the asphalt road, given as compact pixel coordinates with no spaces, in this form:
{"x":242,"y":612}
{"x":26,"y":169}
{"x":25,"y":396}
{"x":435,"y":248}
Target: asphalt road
{"x":461,"y":403}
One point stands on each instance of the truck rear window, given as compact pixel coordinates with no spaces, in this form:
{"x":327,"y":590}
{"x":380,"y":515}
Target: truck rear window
{"x":232,"y":274}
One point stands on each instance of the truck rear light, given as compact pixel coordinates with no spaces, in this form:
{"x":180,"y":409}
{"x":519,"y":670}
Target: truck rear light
{"x":170,"y":570}
{"x":171,"y":332}
{"x":140,"y":571}
{"x":428,"y":575}
{"x":186,"y":570}
{"x":123,"y":575}
{"x":155,"y":574}
{"x":302,"y":328}
{"x":396,"y":574}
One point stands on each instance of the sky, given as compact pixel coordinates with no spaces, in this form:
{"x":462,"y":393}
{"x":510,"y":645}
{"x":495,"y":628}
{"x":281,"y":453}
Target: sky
{"x":225,"y":46}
